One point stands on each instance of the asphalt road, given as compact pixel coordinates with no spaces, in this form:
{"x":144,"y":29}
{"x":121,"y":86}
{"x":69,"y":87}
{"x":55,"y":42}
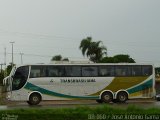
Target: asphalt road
{"x":73,"y":104}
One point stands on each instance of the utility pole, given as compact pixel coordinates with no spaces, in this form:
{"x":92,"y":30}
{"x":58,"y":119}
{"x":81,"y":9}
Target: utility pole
{"x":12,"y":53}
{"x":21,"y":54}
{"x":5,"y":63}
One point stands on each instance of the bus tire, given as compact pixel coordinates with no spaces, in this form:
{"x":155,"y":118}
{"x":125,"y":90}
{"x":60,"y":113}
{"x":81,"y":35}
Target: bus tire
{"x":28,"y":103}
{"x":99,"y":101}
{"x":34,"y":99}
{"x":122,"y":97}
{"x":107,"y":97}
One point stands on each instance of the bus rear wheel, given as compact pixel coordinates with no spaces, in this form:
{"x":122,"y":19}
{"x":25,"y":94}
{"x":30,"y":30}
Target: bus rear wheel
{"x":34,"y":99}
{"x":99,"y":101}
{"x":122,"y":97}
{"x":107,"y":97}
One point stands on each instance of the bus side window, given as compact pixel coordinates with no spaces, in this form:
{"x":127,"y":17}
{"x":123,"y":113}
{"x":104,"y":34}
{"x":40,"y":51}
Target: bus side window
{"x":89,"y":71}
{"x":73,"y":71}
{"x":136,"y":70}
{"x":52,"y":73}
{"x":31,"y":75}
{"x":55,"y":71}
{"x":146,"y":70}
{"x":38,"y":71}
{"x":123,"y":70}
{"x":106,"y":71}
{"x":34,"y":73}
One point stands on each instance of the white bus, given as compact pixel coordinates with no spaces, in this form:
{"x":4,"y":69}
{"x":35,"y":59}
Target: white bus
{"x":101,"y":82}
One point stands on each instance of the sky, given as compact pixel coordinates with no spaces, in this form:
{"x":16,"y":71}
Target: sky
{"x":45,"y":28}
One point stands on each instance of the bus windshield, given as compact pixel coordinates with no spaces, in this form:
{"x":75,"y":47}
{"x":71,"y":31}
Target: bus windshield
{"x":20,"y":77}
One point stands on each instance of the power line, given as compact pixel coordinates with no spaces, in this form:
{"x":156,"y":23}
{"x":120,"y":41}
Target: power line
{"x":52,"y":37}
{"x":44,"y":36}
{"x":47,"y":46}
{"x":38,"y":55}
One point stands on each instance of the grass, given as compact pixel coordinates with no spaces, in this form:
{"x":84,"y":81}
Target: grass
{"x":80,"y":113}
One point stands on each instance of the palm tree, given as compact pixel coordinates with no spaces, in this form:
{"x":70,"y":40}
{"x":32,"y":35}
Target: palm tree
{"x":84,"y":45}
{"x":94,"y":50}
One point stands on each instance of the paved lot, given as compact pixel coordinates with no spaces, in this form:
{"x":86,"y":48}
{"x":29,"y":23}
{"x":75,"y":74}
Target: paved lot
{"x":89,"y":103}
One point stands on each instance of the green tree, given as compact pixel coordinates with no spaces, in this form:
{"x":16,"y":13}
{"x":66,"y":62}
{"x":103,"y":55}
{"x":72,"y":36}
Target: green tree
{"x":121,"y":58}
{"x":59,"y":58}
{"x":56,"y":58}
{"x":108,"y":60}
{"x":157,"y":72}
{"x":94,"y":50}
{"x":8,"y":69}
{"x":1,"y":77}
{"x":65,"y":59}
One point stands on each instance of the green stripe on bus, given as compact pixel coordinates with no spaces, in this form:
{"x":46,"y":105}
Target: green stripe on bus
{"x":141,"y":87}
{"x":32,"y":87}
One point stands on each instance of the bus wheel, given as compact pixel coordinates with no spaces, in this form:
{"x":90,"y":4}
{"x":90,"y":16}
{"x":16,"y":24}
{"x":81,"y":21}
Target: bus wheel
{"x":107,"y":97}
{"x":34,"y":99}
{"x":122,"y":96}
{"x":28,"y":102}
{"x":99,"y":101}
